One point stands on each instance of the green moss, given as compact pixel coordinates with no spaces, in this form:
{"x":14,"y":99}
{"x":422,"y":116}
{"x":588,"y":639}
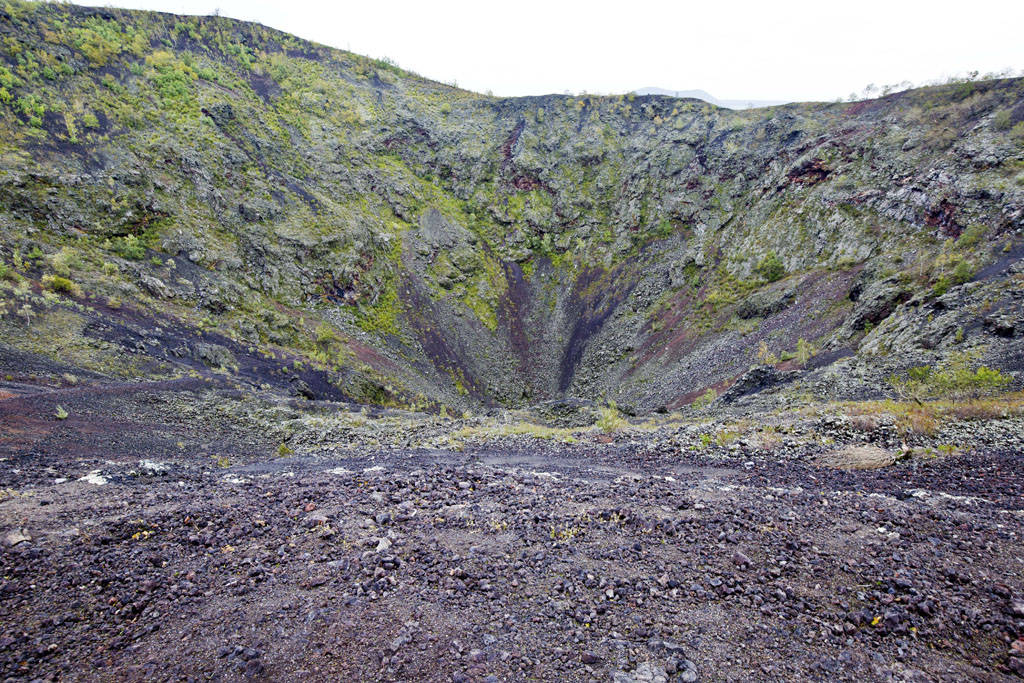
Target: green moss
{"x":382,"y":316}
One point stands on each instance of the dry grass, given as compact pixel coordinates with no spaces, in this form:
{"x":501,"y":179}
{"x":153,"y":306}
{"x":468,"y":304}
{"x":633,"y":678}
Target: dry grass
{"x":923,"y":419}
{"x":611,"y":420}
{"x":858,"y":458}
{"x":519,"y":428}
{"x":766,"y":440}
{"x":868,"y":422}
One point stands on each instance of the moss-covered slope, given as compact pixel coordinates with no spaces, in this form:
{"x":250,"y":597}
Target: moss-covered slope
{"x":303,"y":217}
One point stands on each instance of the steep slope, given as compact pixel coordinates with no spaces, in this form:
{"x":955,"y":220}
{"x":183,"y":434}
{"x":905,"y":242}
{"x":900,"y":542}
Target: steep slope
{"x":192,"y":193}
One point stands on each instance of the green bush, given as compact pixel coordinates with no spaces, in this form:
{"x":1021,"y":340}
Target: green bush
{"x":1002,"y":120}
{"x":952,"y":380}
{"x":1017,"y":133}
{"x":99,"y":41}
{"x":963,"y":272}
{"x":971,"y":236}
{"x":56,"y":283}
{"x":64,"y":261}
{"x":128,"y":248}
{"x":8,"y":273}
{"x":32,"y":108}
{"x":325,"y":336}
{"x":764,"y":355}
{"x":771,"y":268}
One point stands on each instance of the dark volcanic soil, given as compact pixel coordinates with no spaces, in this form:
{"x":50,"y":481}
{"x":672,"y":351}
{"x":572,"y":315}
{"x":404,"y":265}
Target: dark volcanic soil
{"x":190,"y":551}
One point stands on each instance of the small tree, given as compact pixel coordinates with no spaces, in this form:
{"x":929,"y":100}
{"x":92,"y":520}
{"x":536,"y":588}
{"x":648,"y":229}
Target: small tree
{"x":804,"y":351}
{"x":764,"y":356}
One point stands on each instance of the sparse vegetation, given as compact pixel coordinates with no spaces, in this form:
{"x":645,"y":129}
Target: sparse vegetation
{"x":952,"y":380}
{"x":610,"y":419}
{"x":705,"y":399}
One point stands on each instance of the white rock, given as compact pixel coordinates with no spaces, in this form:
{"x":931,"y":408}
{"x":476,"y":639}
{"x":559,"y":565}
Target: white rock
{"x":95,"y":477}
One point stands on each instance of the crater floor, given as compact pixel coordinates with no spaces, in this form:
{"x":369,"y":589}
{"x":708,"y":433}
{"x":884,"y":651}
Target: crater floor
{"x":631,"y":555}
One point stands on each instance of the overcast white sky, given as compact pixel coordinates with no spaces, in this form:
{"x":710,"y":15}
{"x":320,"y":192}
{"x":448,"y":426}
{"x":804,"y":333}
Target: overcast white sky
{"x":784,"y":50}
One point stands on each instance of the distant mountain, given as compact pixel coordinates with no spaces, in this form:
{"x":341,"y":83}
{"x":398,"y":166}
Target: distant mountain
{"x":707,"y":97}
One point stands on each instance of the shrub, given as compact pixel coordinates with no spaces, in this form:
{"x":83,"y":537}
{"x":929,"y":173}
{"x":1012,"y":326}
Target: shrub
{"x":963,"y":272}
{"x":32,"y":108}
{"x":705,"y":399}
{"x":954,"y":379}
{"x":63,"y":261}
{"x":100,"y":40}
{"x":764,"y":356}
{"x":172,"y":79}
{"x":771,"y":268}
{"x":325,"y":336}
{"x":1002,"y":120}
{"x":918,"y":422}
{"x":971,"y":236}
{"x":129,"y":248}
{"x":610,"y":419}
{"x":110,"y":269}
{"x":725,"y":437}
{"x":56,"y":283}
{"x":1017,"y":133}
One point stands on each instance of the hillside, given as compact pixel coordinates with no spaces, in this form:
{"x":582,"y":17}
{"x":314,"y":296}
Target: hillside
{"x":412,"y":242}
{"x":312,"y":368}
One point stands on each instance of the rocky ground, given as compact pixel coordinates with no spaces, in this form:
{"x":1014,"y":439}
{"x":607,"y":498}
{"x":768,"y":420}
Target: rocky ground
{"x":153,"y":534}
